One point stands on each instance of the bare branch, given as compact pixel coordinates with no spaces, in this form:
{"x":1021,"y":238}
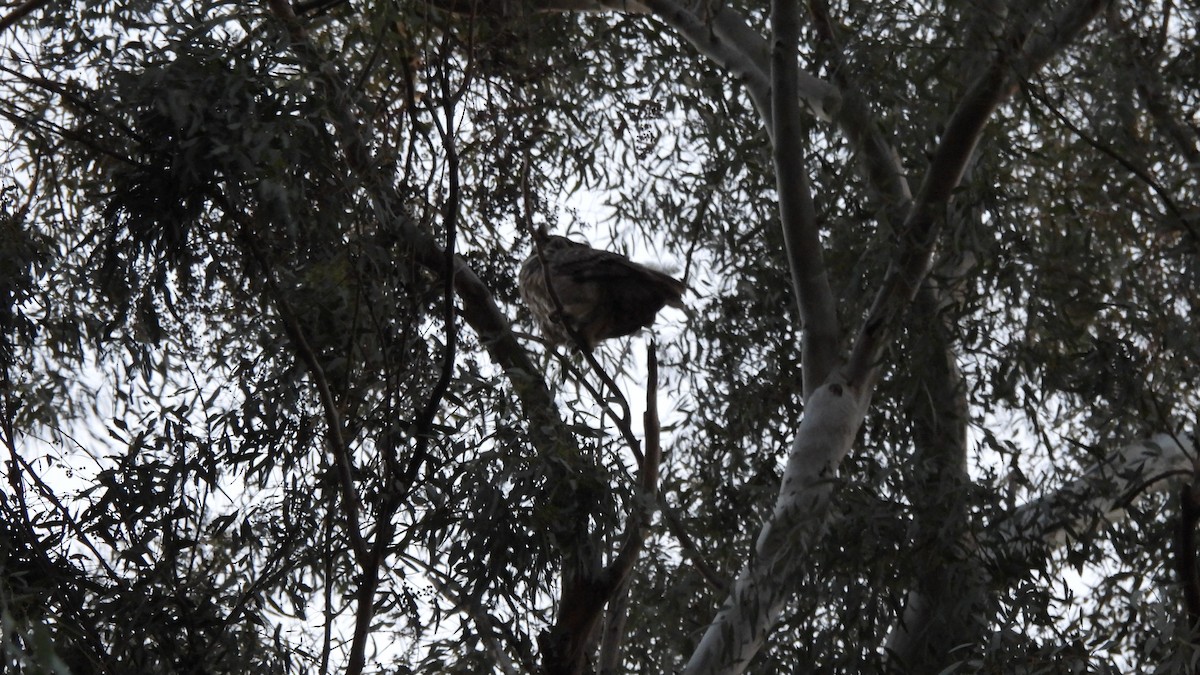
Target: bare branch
{"x":20,"y":12}
{"x":797,"y":214}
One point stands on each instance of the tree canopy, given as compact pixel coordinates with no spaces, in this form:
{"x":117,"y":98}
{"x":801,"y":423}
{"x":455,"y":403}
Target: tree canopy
{"x":270,"y":401}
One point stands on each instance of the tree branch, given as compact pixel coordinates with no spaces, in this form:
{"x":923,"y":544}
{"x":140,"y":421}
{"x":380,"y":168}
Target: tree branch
{"x":832,"y":418}
{"x":546,"y":429}
{"x":641,"y":513}
{"x":1186,"y":565}
{"x":963,"y":131}
{"x":744,"y":62}
{"x":21,"y":11}
{"x":584,"y":595}
{"x":834,"y":413}
{"x":479,"y":309}
{"x":335,"y":431}
{"x":722,"y":35}
{"x":624,"y":419}
{"x":881,"y":162}
{"x":801,"y":235}
{"x":1181,"y":219}
{"x":945,"y":605}
{"x":1100,"y":495}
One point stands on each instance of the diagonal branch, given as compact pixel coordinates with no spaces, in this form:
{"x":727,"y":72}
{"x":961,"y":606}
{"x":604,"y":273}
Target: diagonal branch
{"x":1099,"y":496}
{"x":881,"y":163}
{"x":546,"y":429}
{"x":743,"y":62}
{"x":335,"y":429}
{"x":623,"y":420}
{"x":19,"y":12}
{"x":995,"y":84}
{"x":726,"y":37}
{"x":1172,"y":208}
{"x":641,"y":512}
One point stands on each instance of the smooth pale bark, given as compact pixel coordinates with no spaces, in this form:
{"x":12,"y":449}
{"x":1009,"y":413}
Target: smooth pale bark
{"x":836,"y":403}
{"x":834,"y":413}
{"x":1099,"y":496}
{"x":833,"y":416}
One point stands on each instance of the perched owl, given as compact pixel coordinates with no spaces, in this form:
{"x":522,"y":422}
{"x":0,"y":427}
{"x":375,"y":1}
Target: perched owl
{"x":603,"y":294}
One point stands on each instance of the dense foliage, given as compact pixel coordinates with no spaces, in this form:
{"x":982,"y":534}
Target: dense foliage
{"x":259,"y":418}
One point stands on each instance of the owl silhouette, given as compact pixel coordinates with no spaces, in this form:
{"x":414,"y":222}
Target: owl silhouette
{"x":602,"y":294}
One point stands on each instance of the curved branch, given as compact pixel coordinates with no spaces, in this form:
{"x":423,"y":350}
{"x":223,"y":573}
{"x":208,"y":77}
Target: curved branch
{"x":880,"y":160}
{"x":744,"y":62}
{"x":546,"y":429}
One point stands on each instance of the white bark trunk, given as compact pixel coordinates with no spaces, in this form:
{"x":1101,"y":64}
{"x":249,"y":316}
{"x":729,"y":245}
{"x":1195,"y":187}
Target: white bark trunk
{"x":832,"y":418}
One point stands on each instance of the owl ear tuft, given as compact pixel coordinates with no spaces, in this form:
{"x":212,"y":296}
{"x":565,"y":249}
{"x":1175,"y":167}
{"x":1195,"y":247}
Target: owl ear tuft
{"x":540,"y":235}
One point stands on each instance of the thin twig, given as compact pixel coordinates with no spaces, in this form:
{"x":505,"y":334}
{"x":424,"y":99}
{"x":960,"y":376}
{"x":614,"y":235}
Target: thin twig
{"x":624,"y":420}
{"x":1107,"y":149}
{"x":619,"y":574}
{"x":20,"y":12}
{"x":335,"y":434}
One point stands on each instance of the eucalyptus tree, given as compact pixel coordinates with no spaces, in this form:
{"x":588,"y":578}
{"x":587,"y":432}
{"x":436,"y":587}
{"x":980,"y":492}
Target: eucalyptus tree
{"x":271,"y":401}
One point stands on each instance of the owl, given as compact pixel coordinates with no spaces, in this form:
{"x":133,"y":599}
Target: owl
{"x":603,"y":294}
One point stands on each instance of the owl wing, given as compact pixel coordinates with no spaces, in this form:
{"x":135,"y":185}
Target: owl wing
{"x":584,"y":265}
{"x":602,"y":294}
{"x":616,"y":295}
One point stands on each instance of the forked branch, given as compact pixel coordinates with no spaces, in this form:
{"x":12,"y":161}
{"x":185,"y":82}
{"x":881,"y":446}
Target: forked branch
{"x":1020,"y":56}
